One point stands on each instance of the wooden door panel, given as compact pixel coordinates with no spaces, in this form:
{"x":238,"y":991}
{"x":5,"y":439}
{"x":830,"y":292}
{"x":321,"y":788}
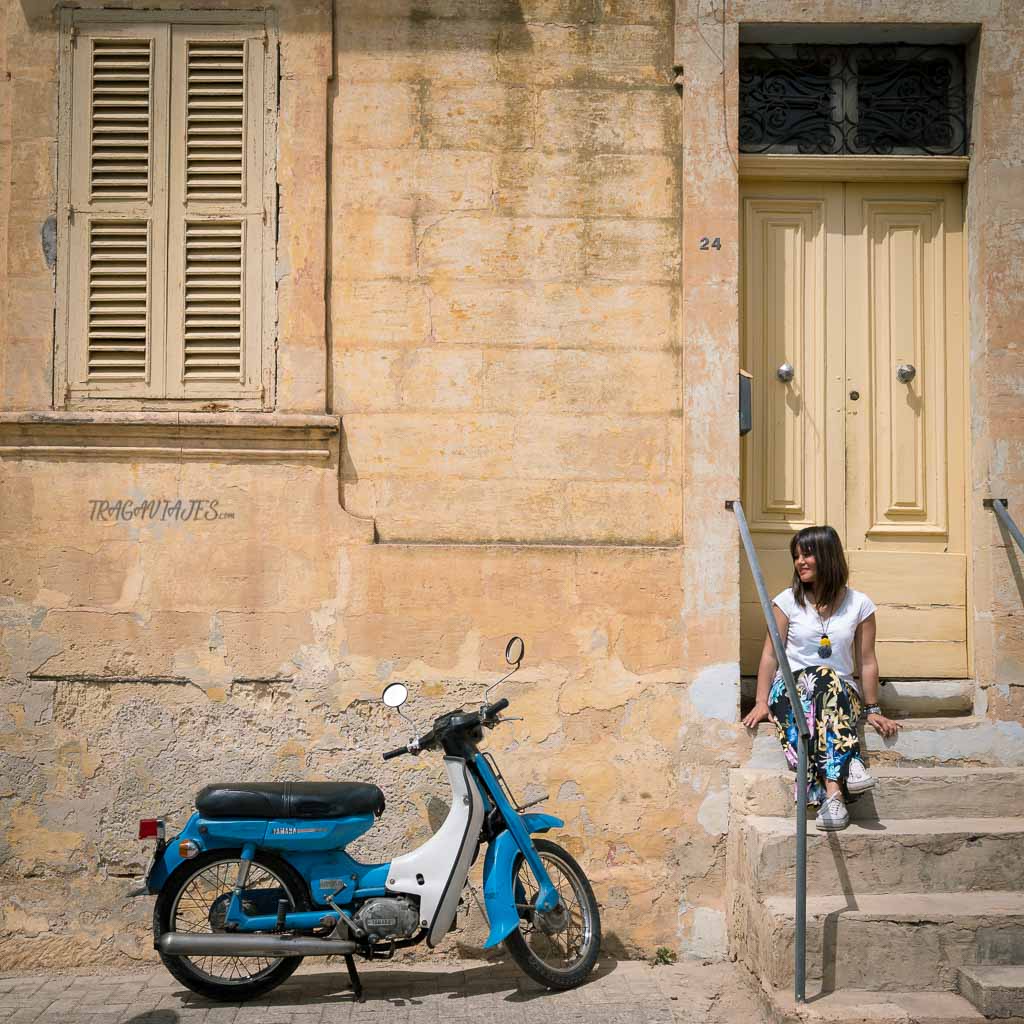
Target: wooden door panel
{"x":789,"y":237}
{"x":898,"y":659}
{"x":897,"y":436}
{"x":905,"y":533}
{"x":904,"y":280}
{"x":922,"y":659}
{"x":791,"y":305}
{"x":889,"y":577}
{"x":777,"y":567}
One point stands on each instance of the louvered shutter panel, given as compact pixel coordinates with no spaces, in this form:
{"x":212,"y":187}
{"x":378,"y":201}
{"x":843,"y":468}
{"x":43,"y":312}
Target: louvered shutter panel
{"x":217,"y":218}
{"x":215,"y":120}
{"x":116,"y":211}
{"x":122,"y":82}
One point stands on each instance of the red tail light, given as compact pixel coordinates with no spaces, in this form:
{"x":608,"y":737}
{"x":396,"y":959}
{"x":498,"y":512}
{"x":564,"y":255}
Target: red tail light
{"x":151,"y":828}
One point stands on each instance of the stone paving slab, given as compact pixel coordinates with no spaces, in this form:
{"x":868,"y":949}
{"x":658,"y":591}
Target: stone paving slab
{"x":620,"y":992}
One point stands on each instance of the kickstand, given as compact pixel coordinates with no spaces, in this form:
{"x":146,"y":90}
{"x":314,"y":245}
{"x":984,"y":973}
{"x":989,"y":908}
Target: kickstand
{"x":353,"y":975}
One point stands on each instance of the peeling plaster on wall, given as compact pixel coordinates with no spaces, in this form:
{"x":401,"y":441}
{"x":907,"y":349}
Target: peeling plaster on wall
{"x":24,"y":650}
{"x":715,"y":693}
{"x":48,"y":238}
{"x":569,"y":791}
{"x":981,"y":701}
{"x":706,"y":936}
{"x":713,"y":814}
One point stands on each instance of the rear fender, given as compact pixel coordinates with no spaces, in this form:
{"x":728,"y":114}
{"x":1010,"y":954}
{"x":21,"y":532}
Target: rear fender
{"x":499,"y":896}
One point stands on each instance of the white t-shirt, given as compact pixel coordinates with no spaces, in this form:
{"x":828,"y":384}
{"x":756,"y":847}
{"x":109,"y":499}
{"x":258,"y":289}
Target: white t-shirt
{"x":805,"y":630}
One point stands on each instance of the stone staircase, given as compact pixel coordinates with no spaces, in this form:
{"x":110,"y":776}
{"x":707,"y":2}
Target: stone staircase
{"x":916,"y":911}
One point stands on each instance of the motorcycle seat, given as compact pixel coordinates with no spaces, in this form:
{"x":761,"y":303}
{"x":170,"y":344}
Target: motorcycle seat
{"x":289,"y":800}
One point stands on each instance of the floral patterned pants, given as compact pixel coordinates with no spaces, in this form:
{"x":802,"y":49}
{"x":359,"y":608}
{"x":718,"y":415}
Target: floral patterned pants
{"x":832,"y":709}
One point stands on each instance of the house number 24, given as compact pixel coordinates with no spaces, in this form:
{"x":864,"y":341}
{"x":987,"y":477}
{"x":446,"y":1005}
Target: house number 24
{"x":709,"y":243}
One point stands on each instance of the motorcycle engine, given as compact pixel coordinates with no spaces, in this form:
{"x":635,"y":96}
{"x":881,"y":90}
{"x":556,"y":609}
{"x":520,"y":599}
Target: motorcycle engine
{"x":388,"y":918}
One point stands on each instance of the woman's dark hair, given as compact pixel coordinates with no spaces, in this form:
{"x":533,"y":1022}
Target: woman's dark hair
{"x":832,"y":571}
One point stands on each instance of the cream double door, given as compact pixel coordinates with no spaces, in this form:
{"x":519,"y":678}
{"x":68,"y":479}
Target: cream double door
{"x":854,"y":292}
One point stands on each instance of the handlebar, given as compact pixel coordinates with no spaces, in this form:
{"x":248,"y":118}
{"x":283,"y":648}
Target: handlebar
{"x":487,"y":715}
{"x":490,"y":710}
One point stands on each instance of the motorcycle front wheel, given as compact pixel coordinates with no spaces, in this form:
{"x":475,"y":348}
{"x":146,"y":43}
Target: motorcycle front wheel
{"x":557,"y":949}
{"x":195,"y":900}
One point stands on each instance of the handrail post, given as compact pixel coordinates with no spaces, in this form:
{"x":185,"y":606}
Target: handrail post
{"x":800,"y":972}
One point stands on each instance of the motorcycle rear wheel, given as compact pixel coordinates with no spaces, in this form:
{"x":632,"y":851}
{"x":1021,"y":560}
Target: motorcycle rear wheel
{"x":185,"y":904}
{"x":555,"y":957}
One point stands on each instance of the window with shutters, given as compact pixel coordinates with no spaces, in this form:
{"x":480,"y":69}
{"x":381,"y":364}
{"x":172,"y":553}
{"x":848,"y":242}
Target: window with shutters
{"x":167,"y":187}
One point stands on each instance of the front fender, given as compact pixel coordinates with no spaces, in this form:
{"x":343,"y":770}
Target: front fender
{"x":498,"y":895}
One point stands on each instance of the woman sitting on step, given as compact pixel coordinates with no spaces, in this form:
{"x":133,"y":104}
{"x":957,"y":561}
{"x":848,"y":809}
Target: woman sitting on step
{"x":822,"y":621}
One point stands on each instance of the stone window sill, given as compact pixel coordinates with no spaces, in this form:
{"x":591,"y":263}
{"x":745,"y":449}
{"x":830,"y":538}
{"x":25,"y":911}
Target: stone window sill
{"x":168,"y":435}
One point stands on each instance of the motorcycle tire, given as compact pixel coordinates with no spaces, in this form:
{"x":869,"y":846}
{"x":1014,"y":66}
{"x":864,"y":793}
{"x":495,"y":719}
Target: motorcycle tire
{"x":531,"y":948}
{"x":185,"y":969}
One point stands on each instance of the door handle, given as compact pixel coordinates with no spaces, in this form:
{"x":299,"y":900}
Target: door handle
{"x":905,"y":373}
{"x":785,"y":373}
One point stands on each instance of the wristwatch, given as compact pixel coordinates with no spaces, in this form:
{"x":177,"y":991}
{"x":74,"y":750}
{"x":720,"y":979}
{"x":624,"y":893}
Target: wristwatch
{"x":871,"y":709}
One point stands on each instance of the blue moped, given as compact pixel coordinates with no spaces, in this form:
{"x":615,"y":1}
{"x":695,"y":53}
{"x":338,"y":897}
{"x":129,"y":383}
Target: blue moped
{"x":259,"y":877}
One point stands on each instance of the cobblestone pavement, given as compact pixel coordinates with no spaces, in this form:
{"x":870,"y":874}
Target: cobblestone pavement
{"x":463,"y":992}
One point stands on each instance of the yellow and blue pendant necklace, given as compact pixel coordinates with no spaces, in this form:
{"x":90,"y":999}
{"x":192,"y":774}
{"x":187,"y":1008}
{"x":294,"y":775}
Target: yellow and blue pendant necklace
{"x":824,"y":645}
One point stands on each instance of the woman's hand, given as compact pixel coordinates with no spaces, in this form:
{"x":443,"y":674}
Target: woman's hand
{"x":758,"y":714}
{"x":885,"y":727}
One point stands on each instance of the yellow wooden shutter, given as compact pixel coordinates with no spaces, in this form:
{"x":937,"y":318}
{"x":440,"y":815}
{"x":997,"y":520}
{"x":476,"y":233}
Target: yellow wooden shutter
{"x":217,"y":216}
{"x":116,"y":210}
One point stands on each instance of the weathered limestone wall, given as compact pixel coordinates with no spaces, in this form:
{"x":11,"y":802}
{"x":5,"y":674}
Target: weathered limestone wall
{"x":505,"y":197}
{"x":489,"y":272}
{"x":499,"y":218}
{"x":995,"y":212}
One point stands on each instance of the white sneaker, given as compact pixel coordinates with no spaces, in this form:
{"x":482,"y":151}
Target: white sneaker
{"x":833,"y":816}
{"x":858,"y":780}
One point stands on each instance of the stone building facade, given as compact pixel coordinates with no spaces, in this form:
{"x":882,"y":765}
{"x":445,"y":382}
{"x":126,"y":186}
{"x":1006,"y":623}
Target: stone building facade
{"x":496,"y":392}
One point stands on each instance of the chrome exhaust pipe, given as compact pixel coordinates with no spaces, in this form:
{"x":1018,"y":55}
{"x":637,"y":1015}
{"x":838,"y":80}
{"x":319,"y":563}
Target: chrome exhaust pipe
{"x":235,"y":944}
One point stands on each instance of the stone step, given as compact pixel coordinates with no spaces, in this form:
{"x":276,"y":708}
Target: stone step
{"x":907,"y":698}
{"x":997,"y":991}
{"x":890,"y":855}
{"x":925,"y":741}
{"x":889,"y":941}
{"x":852,"y":1006}
{"x":912,"y":792}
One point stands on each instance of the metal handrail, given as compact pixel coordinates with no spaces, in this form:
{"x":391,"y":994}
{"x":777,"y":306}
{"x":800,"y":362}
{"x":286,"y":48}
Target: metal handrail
{"x":998,"y":505}
{"x":800,"y":972}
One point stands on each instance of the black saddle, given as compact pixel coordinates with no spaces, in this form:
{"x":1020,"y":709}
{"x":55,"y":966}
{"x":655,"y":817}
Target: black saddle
{"x":289,"y":800}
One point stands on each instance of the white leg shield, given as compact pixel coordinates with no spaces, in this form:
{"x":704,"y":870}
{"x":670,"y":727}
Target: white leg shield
{"x":436,"y":871}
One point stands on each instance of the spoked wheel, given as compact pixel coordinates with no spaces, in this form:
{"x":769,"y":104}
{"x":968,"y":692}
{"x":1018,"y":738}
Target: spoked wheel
{"x":195,"y":900}
{"x":557,"y":948}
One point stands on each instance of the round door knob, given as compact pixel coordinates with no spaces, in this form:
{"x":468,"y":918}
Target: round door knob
{"x":785,"y":373}
{"x":905,"y":373}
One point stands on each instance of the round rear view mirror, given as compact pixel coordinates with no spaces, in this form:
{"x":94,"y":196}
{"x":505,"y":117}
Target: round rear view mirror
{"x":514,"y":650}
{"x":395,"y":695}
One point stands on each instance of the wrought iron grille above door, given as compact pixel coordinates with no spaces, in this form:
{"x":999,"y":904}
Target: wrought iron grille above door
{"x":858,"y":99}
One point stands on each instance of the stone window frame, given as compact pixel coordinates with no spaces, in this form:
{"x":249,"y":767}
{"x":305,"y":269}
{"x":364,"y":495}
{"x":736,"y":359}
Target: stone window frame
{"x":260,"y":394}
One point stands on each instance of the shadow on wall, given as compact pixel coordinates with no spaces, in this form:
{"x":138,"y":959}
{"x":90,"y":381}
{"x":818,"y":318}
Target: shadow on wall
{"x":428,"y":25}
{"x":486,"y":25}
{"x":1013,"y":557}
